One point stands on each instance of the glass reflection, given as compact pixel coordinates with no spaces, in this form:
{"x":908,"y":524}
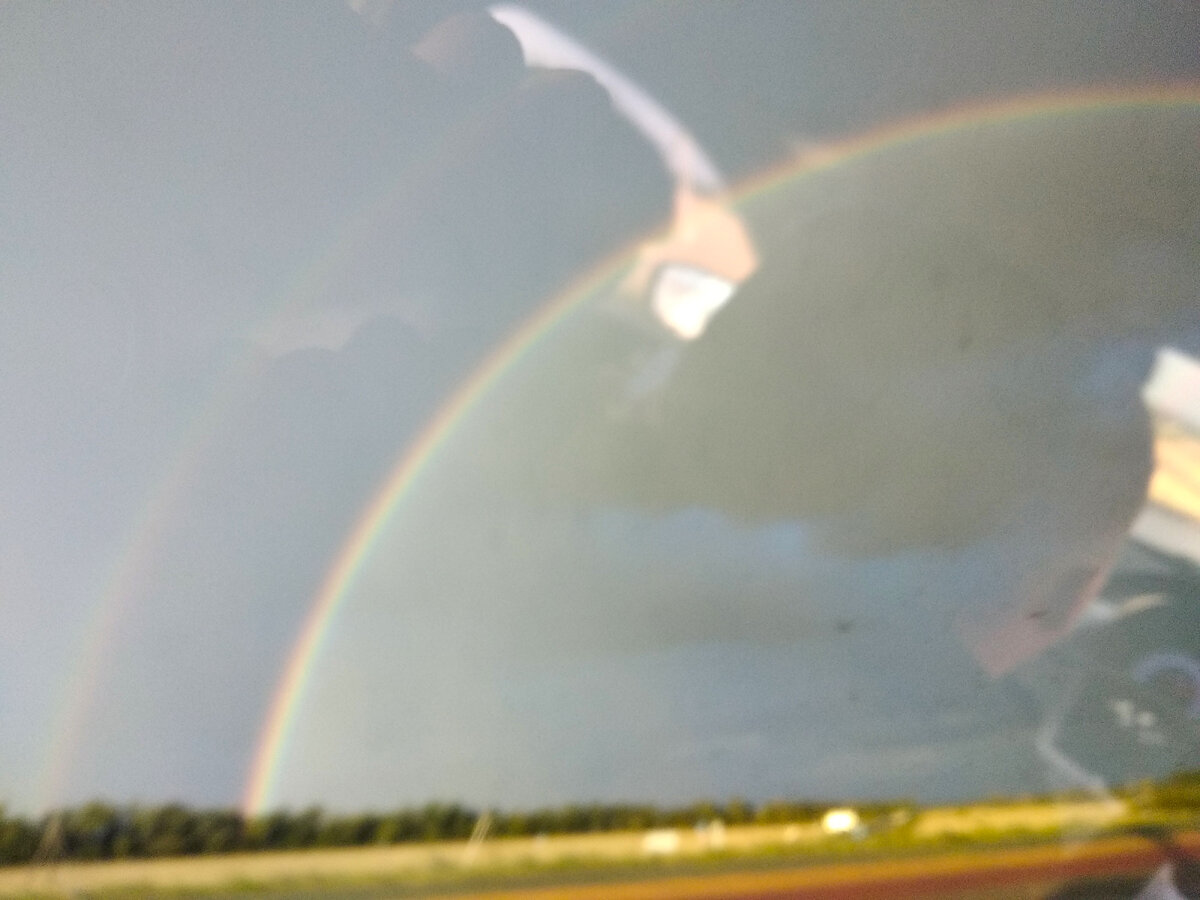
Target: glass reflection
{"x":858,"y":492}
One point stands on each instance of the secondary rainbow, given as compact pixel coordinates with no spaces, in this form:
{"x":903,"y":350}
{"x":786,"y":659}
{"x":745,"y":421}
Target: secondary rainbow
{"x":169,"y":491}
{"x":357,"y":547}
{"x":131,"y":565}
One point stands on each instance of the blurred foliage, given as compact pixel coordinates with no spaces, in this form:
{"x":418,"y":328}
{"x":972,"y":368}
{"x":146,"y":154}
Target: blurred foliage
{"x":98,"y":830}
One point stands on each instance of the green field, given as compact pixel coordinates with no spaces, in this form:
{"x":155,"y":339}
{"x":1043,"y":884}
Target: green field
{"x":679,"y":862}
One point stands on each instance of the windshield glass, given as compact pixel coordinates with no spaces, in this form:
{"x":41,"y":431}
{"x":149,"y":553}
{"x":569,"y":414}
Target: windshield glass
{"x":766,"y":411}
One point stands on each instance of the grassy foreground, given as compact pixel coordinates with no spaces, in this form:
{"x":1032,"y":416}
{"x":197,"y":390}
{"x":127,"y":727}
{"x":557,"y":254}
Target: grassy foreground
{"x":932,"y":841}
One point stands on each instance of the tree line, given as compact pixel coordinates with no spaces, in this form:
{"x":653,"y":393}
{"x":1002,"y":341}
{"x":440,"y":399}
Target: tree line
{"x":100,"y":830}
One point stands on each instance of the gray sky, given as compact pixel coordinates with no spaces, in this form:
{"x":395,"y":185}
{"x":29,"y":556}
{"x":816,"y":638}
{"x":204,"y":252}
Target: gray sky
{"x":248,"y":249}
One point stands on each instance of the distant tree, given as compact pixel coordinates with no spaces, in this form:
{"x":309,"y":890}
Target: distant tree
{"x":402,"y":825}
{"x":18,"y":839}
{"x":513,"y":824}
{"x":165,"y":831}
{"x":219,"y":831}
{"x":348,"y":831}
{"x":302,"y":829}
{"x":1179,"y":791}
{"x":267,"y":832}
{"x":445,"y":821}
{"x":704,"y":811}
{"x":89,"y":831}
{"x":738,"y":812}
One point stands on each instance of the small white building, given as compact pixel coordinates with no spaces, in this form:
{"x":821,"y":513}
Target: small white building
{"x":841,"y":820}
{"x":662,"y":842}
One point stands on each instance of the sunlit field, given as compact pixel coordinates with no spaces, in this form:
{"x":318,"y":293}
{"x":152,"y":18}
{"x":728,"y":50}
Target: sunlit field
{"x":1047,"y":849}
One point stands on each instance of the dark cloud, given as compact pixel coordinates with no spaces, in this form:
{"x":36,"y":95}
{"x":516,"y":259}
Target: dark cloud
{"x":952,"y":347}
{"x":925,"y":407}
{"x":183,"y":184}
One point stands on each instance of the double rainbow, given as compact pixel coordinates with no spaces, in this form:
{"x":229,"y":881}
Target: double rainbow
{"x":288,"y":698}
{"x":171,"y":489}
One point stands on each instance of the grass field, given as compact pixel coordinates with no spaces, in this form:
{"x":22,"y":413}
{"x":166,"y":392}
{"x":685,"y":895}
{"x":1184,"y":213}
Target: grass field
{"x":404,"y":863}
{"x":938,"y":844}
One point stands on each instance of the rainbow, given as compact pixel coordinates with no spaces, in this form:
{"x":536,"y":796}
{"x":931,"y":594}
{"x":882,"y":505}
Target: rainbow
{"x":289,"y":693}
{"x":170,"y":489}
{"x":357,"y":548}
{"x":358,"y":545}
{"x":128,"y":571}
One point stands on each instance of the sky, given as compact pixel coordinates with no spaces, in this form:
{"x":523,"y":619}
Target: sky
{"x":249,"y":251}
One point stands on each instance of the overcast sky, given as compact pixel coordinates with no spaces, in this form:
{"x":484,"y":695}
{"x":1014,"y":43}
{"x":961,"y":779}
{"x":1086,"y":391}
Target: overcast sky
{"x":247,"y":251}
